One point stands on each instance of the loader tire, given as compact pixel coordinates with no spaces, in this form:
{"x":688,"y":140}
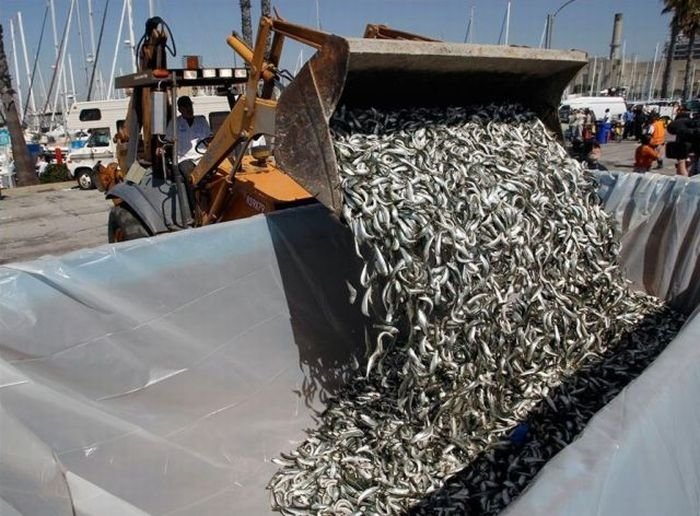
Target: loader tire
{"x":124,"y":225}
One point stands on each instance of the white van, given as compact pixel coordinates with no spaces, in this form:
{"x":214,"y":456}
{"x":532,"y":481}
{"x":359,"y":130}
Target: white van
{"x":598,"y":105}
{"x":102,"y":119}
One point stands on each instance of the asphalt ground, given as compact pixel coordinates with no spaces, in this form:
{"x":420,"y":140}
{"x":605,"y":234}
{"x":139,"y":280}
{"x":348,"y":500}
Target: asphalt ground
{"x":620,"y":156}
{"x":50,"y":219}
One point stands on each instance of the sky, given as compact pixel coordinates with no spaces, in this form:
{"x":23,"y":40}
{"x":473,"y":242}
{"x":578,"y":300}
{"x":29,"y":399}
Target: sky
{"x":200,"y":27}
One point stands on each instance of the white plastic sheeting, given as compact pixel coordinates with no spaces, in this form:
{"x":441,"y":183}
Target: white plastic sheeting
{"x":161,"y":376}
{"x":640,"y":454}
{"x":659,"y":217}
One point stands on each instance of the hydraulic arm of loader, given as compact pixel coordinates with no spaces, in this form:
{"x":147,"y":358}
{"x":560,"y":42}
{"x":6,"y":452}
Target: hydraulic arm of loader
{"x":254,"y":113}
{"x":151,"y":56}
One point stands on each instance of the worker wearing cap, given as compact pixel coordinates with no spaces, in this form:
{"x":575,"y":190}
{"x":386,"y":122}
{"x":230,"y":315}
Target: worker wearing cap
{"x":657,"y":133}
{"x":190,"y":130}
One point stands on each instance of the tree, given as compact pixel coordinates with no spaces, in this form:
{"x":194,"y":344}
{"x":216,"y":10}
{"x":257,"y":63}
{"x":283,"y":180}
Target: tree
{"x":23,"y":164}
{"x":246,"y":22}
{"x":266,"y":11}
{"x":675,"y":29}
{"x":265,"y":7}
{"x":689,"y":22}
{"x":686,"y":15}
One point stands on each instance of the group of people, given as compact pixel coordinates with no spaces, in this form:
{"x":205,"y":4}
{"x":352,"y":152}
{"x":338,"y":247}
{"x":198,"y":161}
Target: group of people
{"x":646,"y":127}
{"x":686,"y":146}
{"x":582,"y":125}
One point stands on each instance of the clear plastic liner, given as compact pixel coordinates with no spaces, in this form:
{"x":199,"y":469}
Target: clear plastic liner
{"x":658,"y":217}
{"x":639,"y":455}
{"x":161,"y":376}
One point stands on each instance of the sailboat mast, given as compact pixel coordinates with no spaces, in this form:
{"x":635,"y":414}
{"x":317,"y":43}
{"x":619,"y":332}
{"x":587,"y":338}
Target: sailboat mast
{"x":96,"y":52}
{"x":72,"y":77}
{"x":116,"y":49}
{"x":92,"y":46}
{"x":507,"y":22}
{"x":18,"y":81}
{"x":92,"y":27}
{"x":622,"y":67}
{"x":103,"y":88}
{"x":55,"y":45}
{"x":469,"y":36}
{"x":543,"y":37}
{"x":62,"y":60}
{"x":61,"y":78}
{"x":633,"y":78}
{"x":595,"y":65}
{"x":30,"y":98}
{"x":653,"y":70}
{"x":53,"y":25}
{"x":132,"y":43}
{"x":83,"y":55}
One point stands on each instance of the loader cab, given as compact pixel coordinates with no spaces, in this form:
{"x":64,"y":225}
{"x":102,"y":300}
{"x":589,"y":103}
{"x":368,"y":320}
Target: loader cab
{"x":154,"y":194}
{"x":159,"y":194}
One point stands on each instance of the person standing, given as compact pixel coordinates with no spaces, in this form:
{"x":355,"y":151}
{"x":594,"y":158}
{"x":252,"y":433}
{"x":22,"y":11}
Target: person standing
{"x":41,"y":164}
{"x":577,"y":125}
{"x":687,"y":133}
{"x":589,"y":125}
{"x":628,"y":120}
{"x":657,"y":132}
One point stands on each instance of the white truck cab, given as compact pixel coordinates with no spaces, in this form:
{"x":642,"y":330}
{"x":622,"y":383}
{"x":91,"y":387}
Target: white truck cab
{"x":100,"y":119}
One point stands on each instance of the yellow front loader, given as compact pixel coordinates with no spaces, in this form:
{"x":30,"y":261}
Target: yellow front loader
{"x":385,"y":69}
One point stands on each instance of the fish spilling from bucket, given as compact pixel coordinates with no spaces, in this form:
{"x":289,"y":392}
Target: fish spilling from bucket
{"x":499,"y":320}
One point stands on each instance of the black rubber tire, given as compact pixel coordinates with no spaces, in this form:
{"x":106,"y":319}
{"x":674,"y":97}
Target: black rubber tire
{"x":85,"y":179}
{"x":124,"y":225}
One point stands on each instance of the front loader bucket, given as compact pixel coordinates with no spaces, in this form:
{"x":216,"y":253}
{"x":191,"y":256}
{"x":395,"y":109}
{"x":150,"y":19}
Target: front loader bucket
{"x":400,"y":74}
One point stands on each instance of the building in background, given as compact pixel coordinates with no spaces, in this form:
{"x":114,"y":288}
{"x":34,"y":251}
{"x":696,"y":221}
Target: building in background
{"x":681,"y":50}
{"x":635,"y":77}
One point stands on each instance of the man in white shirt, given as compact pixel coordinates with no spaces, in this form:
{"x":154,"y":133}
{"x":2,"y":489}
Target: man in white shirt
{"x":190,"y":129}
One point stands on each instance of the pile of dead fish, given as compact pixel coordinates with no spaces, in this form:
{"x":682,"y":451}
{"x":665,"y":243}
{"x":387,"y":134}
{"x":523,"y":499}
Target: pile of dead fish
{"x":500,"y":319}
